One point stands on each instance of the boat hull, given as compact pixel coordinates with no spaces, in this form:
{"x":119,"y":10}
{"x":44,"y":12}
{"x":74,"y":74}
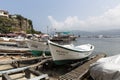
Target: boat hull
{"x":21,"y":44}
{"x":36,"y":52}
{"x":62,"y":54}
{"x":62,"y":62}
{"x":37,"y":48}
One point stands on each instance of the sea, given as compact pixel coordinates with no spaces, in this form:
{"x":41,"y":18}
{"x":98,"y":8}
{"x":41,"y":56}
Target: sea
{"x":109,"y":46}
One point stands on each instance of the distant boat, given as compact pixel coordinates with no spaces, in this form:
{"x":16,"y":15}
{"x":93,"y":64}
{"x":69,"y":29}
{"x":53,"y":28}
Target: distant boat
{"x":63,"y":37}
{"x":38,"y":47}
{"x":62,"y":54}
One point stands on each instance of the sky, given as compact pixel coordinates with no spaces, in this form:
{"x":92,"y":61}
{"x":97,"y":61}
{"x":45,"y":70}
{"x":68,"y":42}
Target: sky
{"x":66,"y":15}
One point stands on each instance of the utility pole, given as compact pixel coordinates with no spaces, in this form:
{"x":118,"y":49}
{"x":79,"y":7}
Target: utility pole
{"x":47,"y":29}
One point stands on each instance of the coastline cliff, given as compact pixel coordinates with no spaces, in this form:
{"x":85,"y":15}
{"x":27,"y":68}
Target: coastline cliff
{"x":15,"y":23}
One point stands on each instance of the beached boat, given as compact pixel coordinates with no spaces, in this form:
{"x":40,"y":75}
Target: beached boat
{"x":67,"y":53}
{"x":38,"y":47}
{"x":20,"y":41}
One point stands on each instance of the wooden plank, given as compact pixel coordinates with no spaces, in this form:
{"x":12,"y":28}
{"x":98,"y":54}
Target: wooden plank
{"x":6,"y":77}
{"x":40,"y":63}
{"x":11,"y":71}
{"x":22,"y":60}
{"x":43,"y":76}
{"x":27,"y":73}
{"x":14,"y":53}
{"x":14,"y":65}
{"x":37,"y":73}
{"x":79,"y":72}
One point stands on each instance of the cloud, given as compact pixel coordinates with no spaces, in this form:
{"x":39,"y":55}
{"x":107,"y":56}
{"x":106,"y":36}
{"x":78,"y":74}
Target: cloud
{"x":108,"y":20}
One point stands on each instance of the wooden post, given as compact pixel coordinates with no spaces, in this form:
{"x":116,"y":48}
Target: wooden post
{"x":14,"y":65}
{"x":18,"y":64}
{"x":27,"y":73}
{"x":5,"y":77}
{"x":37,"y":73}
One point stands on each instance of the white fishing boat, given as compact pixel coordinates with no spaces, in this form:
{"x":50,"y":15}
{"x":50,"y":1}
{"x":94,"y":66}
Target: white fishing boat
{"x":65,"y":53}
{"x":20,"y":41}
{"x":38,"y":47}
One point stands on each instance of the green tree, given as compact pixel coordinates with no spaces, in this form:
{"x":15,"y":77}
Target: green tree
{"x":5,"y":24}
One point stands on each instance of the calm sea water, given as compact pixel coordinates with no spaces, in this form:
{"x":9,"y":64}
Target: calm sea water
{"x":110,"y":46}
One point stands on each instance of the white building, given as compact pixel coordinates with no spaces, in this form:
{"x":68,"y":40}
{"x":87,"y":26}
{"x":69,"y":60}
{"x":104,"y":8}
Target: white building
{"x":4,"y":13}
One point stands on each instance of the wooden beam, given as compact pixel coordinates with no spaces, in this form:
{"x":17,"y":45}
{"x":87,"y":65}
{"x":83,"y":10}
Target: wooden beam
{"x":15,"y":52}
{"x":37,"y":73}
{"x":81,"y":71}
{"x":40,"y":63}
{"x":11,"y":71}
{"x":27,"y":73}
{"x":5,"y":77}
{"x":22,"y":60}
{"x":43,"y":76}
{"x":14,"y":65}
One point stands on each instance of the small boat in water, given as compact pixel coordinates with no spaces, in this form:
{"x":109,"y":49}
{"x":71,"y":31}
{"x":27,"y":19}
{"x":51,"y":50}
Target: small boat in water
{"x":63,"y":37}
{"x":62,"y":54}
{"x":38,"y":47}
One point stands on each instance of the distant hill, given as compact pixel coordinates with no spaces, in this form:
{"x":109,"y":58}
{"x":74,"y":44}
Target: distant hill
{"x":106,"y":32}
{"x":87,"y":33}
{"x":110,"y":32}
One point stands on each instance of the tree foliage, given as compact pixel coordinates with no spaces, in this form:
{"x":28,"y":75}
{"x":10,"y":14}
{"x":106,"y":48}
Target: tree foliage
{"x":5,"y":24}
{"x":32,"y":31}
{"x":18,"y":23}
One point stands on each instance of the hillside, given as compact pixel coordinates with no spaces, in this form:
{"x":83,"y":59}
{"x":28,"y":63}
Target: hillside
{"x":15,"y":23}
{"x":112,"y":32}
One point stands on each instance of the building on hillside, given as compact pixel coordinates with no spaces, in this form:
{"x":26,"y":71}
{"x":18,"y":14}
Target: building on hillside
{"x":4,"y":13}
{"x":13,"y":16}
